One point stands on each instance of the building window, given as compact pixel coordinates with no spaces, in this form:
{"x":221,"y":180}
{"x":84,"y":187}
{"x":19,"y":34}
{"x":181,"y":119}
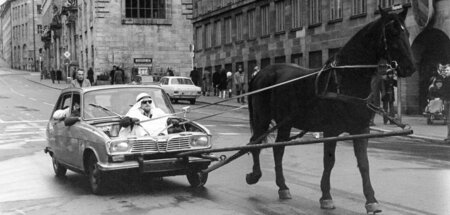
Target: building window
{"x":314,"y":7}
{"x":148,"y":9}
{"x":385,"y":3}
{"x":208,"y":30}
{"x":335,"y":9}
{"x":279,"y":16}
{"x":199,"y":36}
{"x":227,"y":30}
{"x":297,"y":19}
{"x":265,"y":21}
{"x":39,"y":9}
{"x":315,"y":59}
{"x":297,"y":59}
{"x":239,"y":27}
{"x":218,"y":33}
{"x":359,"y":7}
{"x":251,"y":24}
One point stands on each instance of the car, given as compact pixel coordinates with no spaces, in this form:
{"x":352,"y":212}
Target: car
{"x":84,"y":135}
{"x":180,"y":88}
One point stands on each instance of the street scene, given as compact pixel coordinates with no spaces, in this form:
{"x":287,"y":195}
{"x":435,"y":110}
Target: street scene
{"x":225,"y":107}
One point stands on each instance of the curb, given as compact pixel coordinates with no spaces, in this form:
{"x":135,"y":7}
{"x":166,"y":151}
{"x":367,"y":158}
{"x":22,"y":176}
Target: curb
{"x":37,"y":82}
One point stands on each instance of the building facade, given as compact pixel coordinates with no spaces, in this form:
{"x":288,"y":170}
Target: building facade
{"x":25,"y":22}
{"x":229,"y":33}
{"x":5,"y":17}
{"x":146,"y":36}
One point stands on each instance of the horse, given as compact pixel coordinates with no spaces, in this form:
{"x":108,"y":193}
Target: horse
{"x":333,"y":101}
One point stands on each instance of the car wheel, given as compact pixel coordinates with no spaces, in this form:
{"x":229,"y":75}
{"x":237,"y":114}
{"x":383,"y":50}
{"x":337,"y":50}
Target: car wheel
{"x":60,"y":170}
{"x":96,"y":176}
{"x":197,"y":178}
{"x":192,"y":101}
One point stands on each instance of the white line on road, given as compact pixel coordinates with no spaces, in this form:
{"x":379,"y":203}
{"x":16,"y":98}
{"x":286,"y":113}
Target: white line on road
{"x":21,"y":133}
{"x":48,"y":104}
{"x":33,"y":99}
{"x":12,"y":90}
{"x":24,"y":121}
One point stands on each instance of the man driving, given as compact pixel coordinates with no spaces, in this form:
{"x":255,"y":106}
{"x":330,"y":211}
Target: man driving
{"x":144,"y":119}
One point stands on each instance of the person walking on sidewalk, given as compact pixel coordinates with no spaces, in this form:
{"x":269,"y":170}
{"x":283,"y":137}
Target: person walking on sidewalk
{"x":444,"y":70}
{"x":52,"y":75}
{"x":206,"y":83}
{"x":239,"y":81}
{"x":58,"y":75}
{"x":222,"y":83}
{"x":215,"y":82}
{"x":90,"y":75}
{"x":229,"y":84}
{"x":387,"y":92}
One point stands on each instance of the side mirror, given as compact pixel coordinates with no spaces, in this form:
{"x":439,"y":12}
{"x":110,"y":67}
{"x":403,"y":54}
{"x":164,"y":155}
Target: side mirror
{"x":69,"y":121}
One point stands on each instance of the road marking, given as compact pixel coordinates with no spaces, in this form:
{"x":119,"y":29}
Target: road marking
{"x":21,"y":133}
{"x":12,"y":90}
{"x":24,"y":121}
{"x":48,"y":104}
{"x":1,"y":121}
{"x":33,"y":99}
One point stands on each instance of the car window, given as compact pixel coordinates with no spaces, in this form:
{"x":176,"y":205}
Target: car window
{"x":164,"y":81}
{"x":76,"y":105}
{"x":182,"y":81}
{"x":120,"y":101}
{"x":66,"y":101}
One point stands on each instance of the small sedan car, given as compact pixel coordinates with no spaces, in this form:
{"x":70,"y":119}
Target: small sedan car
{"x":83,"y":135}
{"x":180,"y":88}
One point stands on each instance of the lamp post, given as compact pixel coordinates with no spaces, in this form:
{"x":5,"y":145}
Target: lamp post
{"x":34,"y":36}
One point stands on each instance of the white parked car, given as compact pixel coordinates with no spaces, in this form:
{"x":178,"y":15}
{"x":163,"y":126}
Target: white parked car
{"x":180,"y":88}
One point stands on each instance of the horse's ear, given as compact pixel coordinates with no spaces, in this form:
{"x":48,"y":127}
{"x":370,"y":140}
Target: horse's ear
{"x":403,"y":13}
{"x":382,"y":12}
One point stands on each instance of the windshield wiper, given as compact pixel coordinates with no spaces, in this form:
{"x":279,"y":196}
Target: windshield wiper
{"x":105,"y":109}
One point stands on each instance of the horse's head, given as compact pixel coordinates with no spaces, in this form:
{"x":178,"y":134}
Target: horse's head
{"x":395,"y":42}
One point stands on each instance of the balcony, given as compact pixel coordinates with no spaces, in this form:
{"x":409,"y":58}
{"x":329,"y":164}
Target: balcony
{"x":69,"y":7}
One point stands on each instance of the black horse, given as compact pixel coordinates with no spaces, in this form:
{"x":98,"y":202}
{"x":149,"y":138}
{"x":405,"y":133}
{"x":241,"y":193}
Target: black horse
{"x":333,"y":101}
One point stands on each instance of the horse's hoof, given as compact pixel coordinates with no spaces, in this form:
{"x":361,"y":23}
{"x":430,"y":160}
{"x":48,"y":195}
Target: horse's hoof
{"x":284,"y":194}
{"x":253,"y":178}
{"x":327,"y":204}
{"x":373,"y":208}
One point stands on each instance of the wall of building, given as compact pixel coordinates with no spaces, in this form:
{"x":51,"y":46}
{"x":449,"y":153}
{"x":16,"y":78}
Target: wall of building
{"x":6,"y":32}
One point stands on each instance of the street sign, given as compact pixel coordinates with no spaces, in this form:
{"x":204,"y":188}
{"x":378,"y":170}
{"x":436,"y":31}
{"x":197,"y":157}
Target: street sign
{"x":67,"y":54}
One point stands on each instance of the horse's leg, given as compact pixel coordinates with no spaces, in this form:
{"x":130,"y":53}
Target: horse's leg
{"x":278,"y":152}
{"x":329,"y":158}
{"x":360,"y":149}
{"x":255,"y":175}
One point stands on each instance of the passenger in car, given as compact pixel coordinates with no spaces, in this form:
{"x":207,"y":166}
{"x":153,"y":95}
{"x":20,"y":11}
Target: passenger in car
{"x":138,"y":119}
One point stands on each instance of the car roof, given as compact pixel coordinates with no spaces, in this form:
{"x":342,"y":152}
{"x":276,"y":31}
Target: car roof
{"x":102,"y":87}
{"x":172,"y":77}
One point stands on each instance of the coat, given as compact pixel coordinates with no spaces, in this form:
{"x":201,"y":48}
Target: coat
{"x":76,"y":84}
{"x":154,"y":127}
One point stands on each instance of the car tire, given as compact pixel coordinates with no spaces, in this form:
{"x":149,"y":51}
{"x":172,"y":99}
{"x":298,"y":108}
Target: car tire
{"x":192,"y":101}
{"x":196,"y":178}
{"x":97,"y":179}
{"x":60,"y":170}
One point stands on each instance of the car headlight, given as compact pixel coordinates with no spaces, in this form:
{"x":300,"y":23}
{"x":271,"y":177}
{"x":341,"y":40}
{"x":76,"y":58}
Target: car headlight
{"x":110,"y":130}
{"x":119,"y":147}
{"x":199,"y":141}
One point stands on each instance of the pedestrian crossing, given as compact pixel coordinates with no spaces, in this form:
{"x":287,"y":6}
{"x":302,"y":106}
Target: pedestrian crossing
{"x":14,"y":134}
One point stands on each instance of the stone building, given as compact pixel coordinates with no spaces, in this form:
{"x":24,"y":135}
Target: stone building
{"x":5,"y":17}
{"x":24,"y":27}
{"x":229,"y":33}
{"x":148,"y":38}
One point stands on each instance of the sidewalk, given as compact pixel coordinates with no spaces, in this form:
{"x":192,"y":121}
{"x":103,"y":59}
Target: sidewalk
{"x":435,"y":133}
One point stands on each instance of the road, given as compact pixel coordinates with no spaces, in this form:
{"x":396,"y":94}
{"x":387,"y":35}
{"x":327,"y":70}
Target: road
{"x":409,"y":176}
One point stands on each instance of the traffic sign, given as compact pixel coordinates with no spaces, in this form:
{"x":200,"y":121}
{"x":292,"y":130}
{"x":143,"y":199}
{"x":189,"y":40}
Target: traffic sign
{"x":67,"y":54}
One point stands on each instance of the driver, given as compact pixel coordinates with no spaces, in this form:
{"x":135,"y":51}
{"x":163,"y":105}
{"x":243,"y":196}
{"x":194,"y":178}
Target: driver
{"x":144,"y":110}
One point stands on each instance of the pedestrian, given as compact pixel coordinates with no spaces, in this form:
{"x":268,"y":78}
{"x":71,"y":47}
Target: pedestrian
{"x":111,"y":74}
{"x":255,"y":71}
{"x":90,"y":75}
{"x":80,"y":81}
{"x":206,"y":83}
{"x":195,"y":76}
{"x":52,"y":75}
{"x":215,"y":82}
{"x":119,"y":76}
{"x":388,"y":96}
{"x":230,"y":84}
{"x":58,"y":75}
{"x":222,"y":83}
{"x":170,"y":72}
{"x":239,"y":82}
{"x":444,"y":71}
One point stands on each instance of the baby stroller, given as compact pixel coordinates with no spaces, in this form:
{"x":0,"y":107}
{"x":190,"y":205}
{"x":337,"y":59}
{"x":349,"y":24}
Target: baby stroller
{"x":435,"y":110}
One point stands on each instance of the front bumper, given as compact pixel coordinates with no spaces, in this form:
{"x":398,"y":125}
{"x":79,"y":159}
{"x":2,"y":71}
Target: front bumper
{"x":180,"y":96}
{"x":157,"y":165}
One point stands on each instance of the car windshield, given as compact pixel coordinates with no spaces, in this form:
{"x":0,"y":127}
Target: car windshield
{"x":184,"y":81}
{"x":120,"y":101}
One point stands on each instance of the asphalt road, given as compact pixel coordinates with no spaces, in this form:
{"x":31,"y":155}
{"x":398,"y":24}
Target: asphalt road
{"x":409,"y":176}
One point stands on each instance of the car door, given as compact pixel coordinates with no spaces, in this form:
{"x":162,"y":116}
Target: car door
{"x":61,"y":137}
{"x":76,"y":136}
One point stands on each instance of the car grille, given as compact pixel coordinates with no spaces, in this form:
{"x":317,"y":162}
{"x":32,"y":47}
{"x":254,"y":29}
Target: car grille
{"x":150,"y":145}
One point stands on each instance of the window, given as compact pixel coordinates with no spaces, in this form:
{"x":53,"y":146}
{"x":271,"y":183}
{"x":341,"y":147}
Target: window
{"x":297,"y":19}
{"x":359,"y":7}
{"x":199,"y":36}
{"x":279,"y":16}
{"x":265,"y":20}
{"x":39,"y":9}
{"x":239,"y":27}
{"x":315,"y":59}
{"x":251,"y":24}
{"x":314,"y":12}
{"x":148,"y":9}
{"x":208,"y":30}
{"x":218,"y":33}
{"x":385,"y":3}
{"x":227,"y":30}
{"x":297,"y":59}
{"x":335,"y":9}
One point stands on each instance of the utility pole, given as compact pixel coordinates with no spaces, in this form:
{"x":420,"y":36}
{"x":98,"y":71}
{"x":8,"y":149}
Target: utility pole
{"x":34,"y":36}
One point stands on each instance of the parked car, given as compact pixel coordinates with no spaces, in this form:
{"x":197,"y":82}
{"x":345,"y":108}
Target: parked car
{"x":83,"y":135}
{"x":180,"y":88}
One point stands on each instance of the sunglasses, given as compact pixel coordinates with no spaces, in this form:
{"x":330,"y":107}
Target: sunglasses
{"x":146,"y":101}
